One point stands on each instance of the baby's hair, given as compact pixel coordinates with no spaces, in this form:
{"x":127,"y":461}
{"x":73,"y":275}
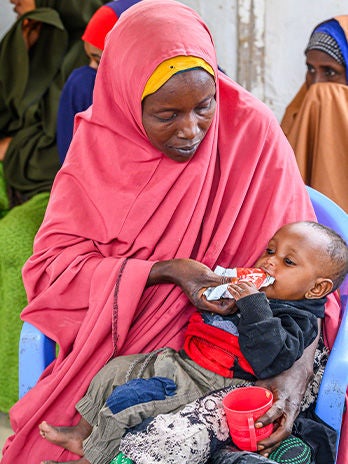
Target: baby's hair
{"x":337,"y":251}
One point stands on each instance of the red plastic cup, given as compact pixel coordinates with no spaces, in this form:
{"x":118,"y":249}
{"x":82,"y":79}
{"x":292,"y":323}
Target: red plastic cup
{"x":242,"y":407}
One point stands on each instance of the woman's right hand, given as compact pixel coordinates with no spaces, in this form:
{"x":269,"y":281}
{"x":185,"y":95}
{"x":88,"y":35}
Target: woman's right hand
{"x":288,"y":389}
{"x":194,"y":278}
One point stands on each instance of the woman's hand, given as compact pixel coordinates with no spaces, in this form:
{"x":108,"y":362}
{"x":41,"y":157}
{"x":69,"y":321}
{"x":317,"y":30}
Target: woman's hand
{"x":288,"y":389}
{"x":194,"y":278}
{"x":31,"y":32}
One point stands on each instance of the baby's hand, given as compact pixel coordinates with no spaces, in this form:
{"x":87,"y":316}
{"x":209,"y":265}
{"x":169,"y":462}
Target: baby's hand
{"x":241,"y":289}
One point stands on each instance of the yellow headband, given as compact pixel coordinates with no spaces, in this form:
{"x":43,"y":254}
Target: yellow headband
{"x":168,"y":68}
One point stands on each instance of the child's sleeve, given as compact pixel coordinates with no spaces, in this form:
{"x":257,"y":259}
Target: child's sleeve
{"x":272,"y":340}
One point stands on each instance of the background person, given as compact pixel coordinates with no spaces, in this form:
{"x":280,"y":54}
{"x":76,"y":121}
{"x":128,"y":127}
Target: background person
{"x":200,"y":170}
{"x":316,"y":121}
{"x":36,"y":56}
{"x":77,"y":92}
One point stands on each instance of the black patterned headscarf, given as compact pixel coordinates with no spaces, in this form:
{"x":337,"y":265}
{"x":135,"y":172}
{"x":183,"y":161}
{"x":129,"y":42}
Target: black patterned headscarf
{"x":330,"y":38}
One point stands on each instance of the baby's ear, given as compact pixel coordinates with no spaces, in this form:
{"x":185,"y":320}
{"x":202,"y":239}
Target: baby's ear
{"x":321,"y":288}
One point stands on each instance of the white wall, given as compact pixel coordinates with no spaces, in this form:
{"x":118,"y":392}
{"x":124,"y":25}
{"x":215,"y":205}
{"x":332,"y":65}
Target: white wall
{"x":7,"y":16}
{"x":221,"y":18}
{"x":286,"y":26}
{"x":283,"y":25}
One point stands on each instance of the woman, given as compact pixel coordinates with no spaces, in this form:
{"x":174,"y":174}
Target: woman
{"x":316,"y":121}
{"x":36,"y":57}
{"x":200,"y":172}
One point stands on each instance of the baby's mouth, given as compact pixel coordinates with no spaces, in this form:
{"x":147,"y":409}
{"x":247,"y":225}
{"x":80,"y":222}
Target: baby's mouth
{"x":264,"y":269}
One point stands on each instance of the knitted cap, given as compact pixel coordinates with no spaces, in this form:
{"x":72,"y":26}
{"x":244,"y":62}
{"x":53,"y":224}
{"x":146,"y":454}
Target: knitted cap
{"x":104,"y":20}
{"x":99,"y":25}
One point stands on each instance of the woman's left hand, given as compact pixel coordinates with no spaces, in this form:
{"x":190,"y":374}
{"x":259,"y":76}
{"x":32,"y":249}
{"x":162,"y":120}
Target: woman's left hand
{"x":288,"y":389}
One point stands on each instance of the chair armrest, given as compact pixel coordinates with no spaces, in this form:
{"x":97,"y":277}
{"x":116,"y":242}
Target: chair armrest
{"x":36,"y":352}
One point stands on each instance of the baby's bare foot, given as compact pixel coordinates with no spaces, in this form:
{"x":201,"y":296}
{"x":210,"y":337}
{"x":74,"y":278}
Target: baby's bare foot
{"x":69,"y":438}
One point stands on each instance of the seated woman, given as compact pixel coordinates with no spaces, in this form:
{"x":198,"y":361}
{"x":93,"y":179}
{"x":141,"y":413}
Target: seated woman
{"x":200,"y":171}
{"x":316,"y":121}
{"x":36,"y":57}
{"x":260,"y":337}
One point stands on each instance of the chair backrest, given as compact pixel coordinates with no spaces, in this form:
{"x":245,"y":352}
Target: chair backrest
{"x":331,"y":399}
{"x":331,"y":215}
{"x":36,"y":352}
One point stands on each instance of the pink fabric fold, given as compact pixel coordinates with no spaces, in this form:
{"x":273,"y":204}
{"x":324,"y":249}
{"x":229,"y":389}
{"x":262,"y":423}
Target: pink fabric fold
{"x":118,"y":205}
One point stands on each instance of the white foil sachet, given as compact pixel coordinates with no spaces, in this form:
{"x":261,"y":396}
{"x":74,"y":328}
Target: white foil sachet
{"x":257,"y":276}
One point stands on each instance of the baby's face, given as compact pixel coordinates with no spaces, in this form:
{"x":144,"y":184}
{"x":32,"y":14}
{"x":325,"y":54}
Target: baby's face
{"x":294,"y":257}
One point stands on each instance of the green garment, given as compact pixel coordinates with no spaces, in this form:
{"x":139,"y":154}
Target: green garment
{"x":30,"y":86}
{"x":17,"y":231}
{"x":121,"y":459}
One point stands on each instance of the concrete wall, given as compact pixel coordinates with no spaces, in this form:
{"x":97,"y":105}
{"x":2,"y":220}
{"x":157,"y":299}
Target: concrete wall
{"x":7,"y":16}
{"x":259,"y":43}
{"x":288,"y":26}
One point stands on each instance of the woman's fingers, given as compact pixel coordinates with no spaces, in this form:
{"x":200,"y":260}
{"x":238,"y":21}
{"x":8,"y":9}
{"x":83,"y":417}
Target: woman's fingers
{"x":280,"y":432}
{"x":224,"y":306}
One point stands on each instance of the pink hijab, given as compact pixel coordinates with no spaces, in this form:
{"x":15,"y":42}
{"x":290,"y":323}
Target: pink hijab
{"x":118,"y":205}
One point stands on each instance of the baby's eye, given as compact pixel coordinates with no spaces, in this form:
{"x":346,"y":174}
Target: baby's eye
{"x":289,"y":262}
{"x":269,"y":251}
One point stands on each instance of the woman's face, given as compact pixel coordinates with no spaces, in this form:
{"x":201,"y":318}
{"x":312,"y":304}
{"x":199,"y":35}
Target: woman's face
{"x":321,"y":67}
{"x":23,"y":6}
{"x":177,"y":116}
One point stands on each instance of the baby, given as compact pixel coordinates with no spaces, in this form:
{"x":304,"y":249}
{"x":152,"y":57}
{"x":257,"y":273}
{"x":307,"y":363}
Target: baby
{"x":270,"y":329}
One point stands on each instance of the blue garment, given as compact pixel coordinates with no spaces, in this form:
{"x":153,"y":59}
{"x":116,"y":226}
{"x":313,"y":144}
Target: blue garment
{"x":76,"y":96}
{"x":140,"y":391}
{"x":119,"y":6}
{"x":334,"y":29}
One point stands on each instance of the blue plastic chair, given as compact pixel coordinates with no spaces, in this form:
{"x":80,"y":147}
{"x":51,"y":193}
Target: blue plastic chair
{"x":331,"y":398}
{"x":37,"y":351}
